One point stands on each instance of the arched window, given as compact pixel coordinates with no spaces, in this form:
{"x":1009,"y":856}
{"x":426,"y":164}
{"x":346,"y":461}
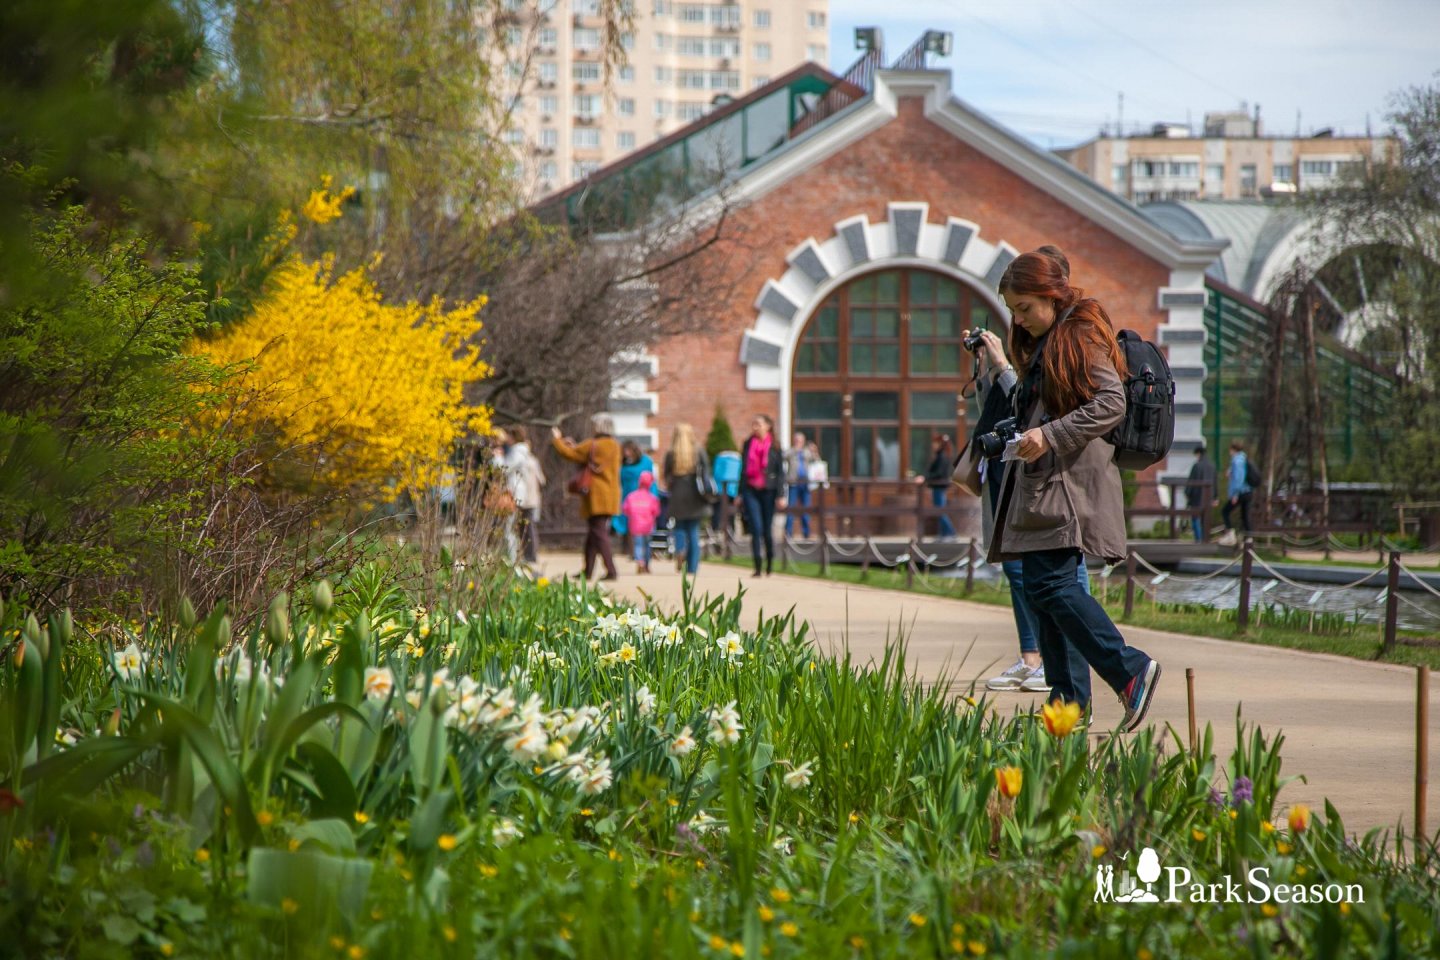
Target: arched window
{"x":879,"y":371}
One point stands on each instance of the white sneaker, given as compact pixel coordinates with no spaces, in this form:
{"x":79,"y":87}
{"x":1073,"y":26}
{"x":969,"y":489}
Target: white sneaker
{"x":1012,"y":679}
{"x":1227,"y":539}
{"x":1036,"y":682}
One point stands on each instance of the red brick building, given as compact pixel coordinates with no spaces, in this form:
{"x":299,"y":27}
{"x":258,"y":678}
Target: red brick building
{"x":866,"y":239}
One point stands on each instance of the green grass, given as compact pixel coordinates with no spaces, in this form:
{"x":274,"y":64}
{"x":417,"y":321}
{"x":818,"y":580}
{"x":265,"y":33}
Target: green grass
{"x":1361,"y":642}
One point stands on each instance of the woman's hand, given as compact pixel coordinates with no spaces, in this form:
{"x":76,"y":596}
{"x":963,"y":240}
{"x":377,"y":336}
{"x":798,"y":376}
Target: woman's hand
{"x":1033,"y":445}
{"x":992,"y":349}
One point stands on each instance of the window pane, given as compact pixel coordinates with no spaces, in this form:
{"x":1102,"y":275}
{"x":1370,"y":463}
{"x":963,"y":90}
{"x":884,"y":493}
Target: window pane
{"x":887,"y":324}
{"x":947,"y":358}
{"x":932,"y":408}
{"x":981,"y":318}
{"x":817,"y":405}
{"x":804,"y":362}
{"x":828,"y":358}
{"x":828,"y":439}
{"x":827,"y":324}
{"x":887,"y":453}
{"x":946,"y":291}
{"x":887,"y":358}
{"x":862,"y":323}
{"x":863,"y":290}
{"x":922,"y":287}
{"x":947,"y":323}
{"x":876,"y":406}
{"x":861,"y":361}
{"x":862,"y":451}
{"x":922,"y":359}
{"x":920,"y":448}
{"x":887,"y":287}
{"x":922,"y":323}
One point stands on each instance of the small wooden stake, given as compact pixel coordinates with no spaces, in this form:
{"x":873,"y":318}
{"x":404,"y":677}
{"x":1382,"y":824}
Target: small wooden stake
{"x":1422,"y":747}
{"x":1190,"y":704}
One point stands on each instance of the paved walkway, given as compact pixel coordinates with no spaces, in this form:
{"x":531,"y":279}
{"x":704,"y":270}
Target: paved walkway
{"x":1349,"y":725}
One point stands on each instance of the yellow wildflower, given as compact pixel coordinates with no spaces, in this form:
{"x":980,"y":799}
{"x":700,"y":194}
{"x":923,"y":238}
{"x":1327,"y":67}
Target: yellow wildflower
{"x":766,"y":913}
{"x":718,"y":942}
{"x":289,"y":906}
{"x":780,"y":895}
{"x":1198,"y":834}
{"x":917,"y":919}
{"x":202,"y":855}
{"x":447,"y":842}
{"x":789,"y":929}
{"x":264,"y":818}
{"x":450,"y":934}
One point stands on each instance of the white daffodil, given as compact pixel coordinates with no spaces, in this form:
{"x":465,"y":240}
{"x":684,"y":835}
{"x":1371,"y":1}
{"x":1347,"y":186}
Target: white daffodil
{"x":505,"y":832}
{"x":644,"y":702}
{"x":379,"y":683}
{"x":527,"y":743}
{"x":497,"y":709}
{"x":799,"y":776}
{"x":129,"y":663}
{"x":702,"y":822}
{"x":730,"y":646}
{"x":627,"y":653}
{"x":725,"y":725}
{"x":683,"y":743}
{"x":783,"y":844}
{"x":597,"y":778}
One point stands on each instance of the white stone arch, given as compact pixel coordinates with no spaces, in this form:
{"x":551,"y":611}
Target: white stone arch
{"x":906,"y":238}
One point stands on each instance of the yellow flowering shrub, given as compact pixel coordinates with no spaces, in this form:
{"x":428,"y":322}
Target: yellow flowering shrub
{"x":376,"y":389}
{"x":324,"y":206}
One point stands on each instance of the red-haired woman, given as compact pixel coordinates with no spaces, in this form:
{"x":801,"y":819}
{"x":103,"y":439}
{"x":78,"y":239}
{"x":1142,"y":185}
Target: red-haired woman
{"x":1062,"y":499}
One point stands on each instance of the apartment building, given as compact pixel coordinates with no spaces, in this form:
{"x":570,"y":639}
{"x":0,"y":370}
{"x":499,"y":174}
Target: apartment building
{"x":682,"y":57}
{"x":1231,"y":160}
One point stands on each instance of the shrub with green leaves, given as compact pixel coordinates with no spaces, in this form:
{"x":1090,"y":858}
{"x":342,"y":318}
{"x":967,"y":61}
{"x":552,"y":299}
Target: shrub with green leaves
{"x":557,"y":774}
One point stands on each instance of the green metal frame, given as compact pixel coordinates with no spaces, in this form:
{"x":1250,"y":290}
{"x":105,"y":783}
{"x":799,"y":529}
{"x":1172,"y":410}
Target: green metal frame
{"x":1360,"y":401}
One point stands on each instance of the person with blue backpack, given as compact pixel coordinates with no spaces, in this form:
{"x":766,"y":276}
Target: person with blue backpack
{"x":1061,"y":496}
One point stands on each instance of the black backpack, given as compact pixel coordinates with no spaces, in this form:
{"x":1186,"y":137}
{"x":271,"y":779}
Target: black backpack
{"x":1143,"y":438}
{"x":1252,"y":474}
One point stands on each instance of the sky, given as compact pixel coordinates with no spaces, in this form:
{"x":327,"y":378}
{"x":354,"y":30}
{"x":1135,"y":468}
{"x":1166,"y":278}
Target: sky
{"x":1052,"y":70}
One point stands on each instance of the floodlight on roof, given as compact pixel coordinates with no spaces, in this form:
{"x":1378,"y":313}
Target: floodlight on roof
{"x":869,"y":38}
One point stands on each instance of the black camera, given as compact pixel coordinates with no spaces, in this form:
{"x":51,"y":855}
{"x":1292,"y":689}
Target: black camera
{"x":974,"y":342}
{"x":992,"y":444}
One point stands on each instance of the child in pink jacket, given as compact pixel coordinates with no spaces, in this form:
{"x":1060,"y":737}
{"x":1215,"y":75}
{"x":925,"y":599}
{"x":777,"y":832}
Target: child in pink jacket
{"x":641,"y":509}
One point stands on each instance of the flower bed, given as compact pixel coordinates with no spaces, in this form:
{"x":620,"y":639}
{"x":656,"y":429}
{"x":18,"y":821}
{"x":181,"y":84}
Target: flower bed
{"x":560,"y":775}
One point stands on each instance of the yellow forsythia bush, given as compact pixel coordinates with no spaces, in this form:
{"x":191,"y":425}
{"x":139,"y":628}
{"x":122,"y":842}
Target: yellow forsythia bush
{"x":377,"y":389}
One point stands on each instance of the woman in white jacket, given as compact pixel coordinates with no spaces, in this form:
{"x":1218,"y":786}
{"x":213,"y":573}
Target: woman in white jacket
{"x":525,"y":480}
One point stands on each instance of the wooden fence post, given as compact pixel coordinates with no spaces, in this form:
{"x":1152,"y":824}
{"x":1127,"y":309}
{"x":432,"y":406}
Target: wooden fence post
{"x":1422,"y":747}
{"x":1242,"y":613}
{"x":725,"y":521}
{"x":920,"y":491}
{"x":1190,"y":705}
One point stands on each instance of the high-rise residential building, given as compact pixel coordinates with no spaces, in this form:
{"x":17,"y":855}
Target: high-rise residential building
{"x":1232,"y":160}
{"x":682,"y":57}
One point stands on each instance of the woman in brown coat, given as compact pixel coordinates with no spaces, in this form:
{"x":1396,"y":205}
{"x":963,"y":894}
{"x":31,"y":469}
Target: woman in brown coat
{"x":1062,"y":498}
{"x":602,"y":500}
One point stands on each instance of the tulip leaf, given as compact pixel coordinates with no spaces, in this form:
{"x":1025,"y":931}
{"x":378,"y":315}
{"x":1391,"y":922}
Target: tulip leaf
{"x":335,"y":791}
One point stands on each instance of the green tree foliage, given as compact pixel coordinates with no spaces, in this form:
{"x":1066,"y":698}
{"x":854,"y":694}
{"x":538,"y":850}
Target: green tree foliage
{"x":721,"y":437}
{"x":98,"y":403}
{"x":1391,"y":213}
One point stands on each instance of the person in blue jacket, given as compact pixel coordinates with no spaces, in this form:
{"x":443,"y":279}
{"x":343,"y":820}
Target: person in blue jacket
{"x":1239,"y":493}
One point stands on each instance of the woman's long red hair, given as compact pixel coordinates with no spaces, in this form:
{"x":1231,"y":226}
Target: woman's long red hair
{"x":1068,"y":378}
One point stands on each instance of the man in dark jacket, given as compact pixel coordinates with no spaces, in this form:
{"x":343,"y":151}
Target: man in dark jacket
{"x":1200,"y":492}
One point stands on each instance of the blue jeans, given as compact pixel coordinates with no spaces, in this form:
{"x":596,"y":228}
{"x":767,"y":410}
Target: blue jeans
{"x":1024,"y":619}
{"x":799,"y":497}
{"x":642,"y":549}
{"x":1197,"y":524}
{"x":760,"y":518}
{"x":687,"y":541}
{"x":1074,"y":630}
{"x":937,"y":498}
